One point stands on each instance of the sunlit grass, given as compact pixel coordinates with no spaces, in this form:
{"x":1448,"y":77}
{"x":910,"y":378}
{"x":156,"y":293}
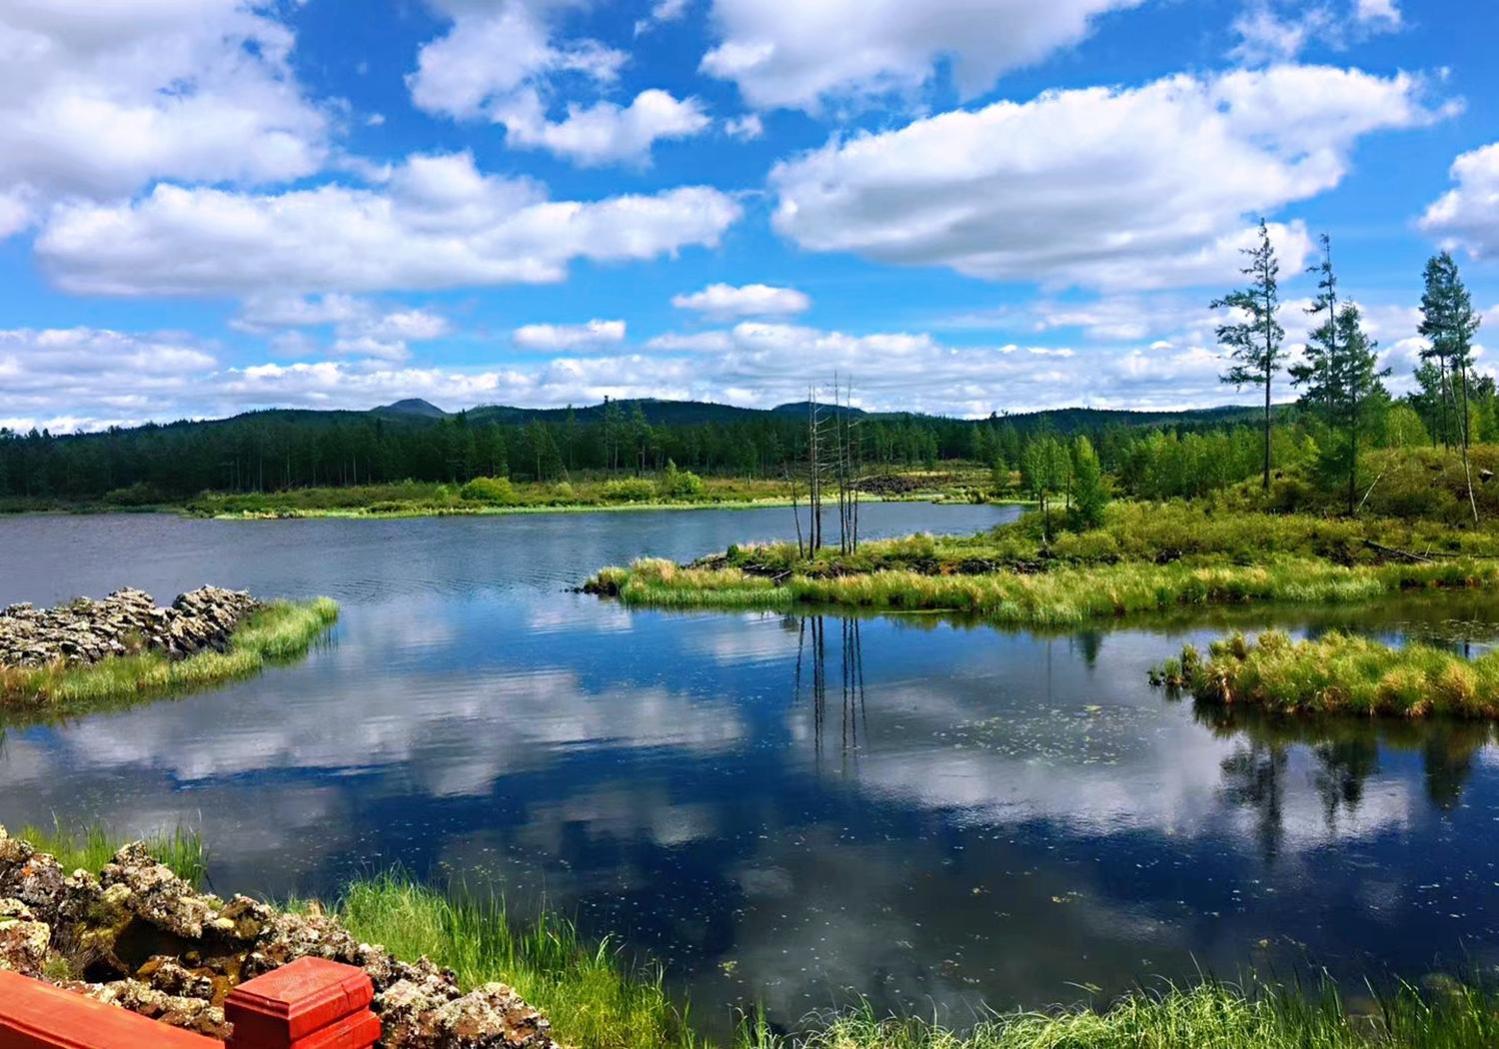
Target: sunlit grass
{"x":90,"y":849}
{"x":591,"y":992}
{"x":1337,"y":674}
{"x":279,"y":631}
{"x":1057,"y":597}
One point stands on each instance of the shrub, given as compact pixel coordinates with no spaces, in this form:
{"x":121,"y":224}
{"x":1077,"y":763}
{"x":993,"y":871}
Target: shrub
{"x":493,"y":490}
{"x":138,"y":494}
{"x":680,"y":484}
{"x":629,"y":490}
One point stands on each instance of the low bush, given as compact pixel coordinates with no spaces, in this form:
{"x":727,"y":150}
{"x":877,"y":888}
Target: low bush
{"x":495,"y":491}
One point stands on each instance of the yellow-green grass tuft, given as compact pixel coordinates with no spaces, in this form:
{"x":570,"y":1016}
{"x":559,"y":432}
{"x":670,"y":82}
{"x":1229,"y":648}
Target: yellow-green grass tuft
{"x":1338,"y":674}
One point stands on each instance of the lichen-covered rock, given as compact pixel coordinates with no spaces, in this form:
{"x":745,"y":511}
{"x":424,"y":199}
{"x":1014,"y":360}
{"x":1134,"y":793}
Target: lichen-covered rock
{"x":23,"y":939}
{"x":87,"y":631}
{"x":143,"y":939}
{"x":193,"y":1014}
{"x":34,"y":878}
{"x":158,"y":896}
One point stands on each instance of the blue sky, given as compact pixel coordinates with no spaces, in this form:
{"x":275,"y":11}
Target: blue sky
{"x":963,"y":206}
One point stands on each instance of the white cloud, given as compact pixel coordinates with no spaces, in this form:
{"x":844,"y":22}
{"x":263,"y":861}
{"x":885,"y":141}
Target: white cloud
{"x":499,"y":61}
{"x":439,"y":223}
{"x":795,"y":54}
{"x":493,"y":49}
{"x":1013,"y":191}
{"x":727,"y":302}
{"x":555,"y":337}
{"x":662,"y":11}
{"x":97,"y":100}
{"x":744,"y":128}
{"x":604,"y":132}
{"x":64,"y":378}
{"x":1386,"y":12}
{"x":361,"y":327}
{"x":1467,"y":216}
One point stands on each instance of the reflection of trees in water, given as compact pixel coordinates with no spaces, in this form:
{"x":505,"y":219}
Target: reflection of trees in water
{"x":812,"y":648}
{"x":1347,"y":752}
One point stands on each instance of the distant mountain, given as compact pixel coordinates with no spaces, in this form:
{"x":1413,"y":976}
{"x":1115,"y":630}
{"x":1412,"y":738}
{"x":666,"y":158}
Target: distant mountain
{"x":411,"y":406}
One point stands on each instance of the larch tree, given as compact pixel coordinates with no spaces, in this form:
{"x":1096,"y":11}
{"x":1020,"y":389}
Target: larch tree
{"x":1254,"y":337}
{"x":1449,"y":323}
{"x":1339,"y":373}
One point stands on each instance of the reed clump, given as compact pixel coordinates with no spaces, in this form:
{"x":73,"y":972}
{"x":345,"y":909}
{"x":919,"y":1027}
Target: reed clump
{"x":1337,"y":674}
{"x":277,"y":632}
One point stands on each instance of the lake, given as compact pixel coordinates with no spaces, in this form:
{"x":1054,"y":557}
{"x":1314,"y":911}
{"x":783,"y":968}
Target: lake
{"x":786,"y":809}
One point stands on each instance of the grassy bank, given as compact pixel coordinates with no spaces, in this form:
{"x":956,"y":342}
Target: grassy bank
{"x":280,"y":631}
{"x":1146,"y":557}
{"x":597,"y":998}
{"x":1337,"y":674}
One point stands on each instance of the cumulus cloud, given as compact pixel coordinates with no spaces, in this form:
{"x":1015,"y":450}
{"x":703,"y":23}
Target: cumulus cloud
{"x":724,"y":301}
{"x":1012,"y":191}
{"x":459,"y":75}
{"x":789,"y":53}
{"x":554,"y":337}
{"x":744,"y":128}
{"x":604,"y":132}
{"x":66,"y":378}
{"x":1467,"y":216}
{"x":98,"y":100}
{"x":1384,"y":12}
{"x":360,"y":326}
{"x":438,"y":223}
{"x":1280,"y":30}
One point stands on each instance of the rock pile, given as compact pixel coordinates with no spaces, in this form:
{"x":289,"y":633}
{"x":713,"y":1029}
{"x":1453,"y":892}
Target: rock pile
{"x":86,"y":631}
{"x":139,"y":937}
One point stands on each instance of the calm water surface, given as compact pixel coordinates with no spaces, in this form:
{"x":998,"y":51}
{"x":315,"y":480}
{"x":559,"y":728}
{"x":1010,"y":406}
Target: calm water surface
{"x":784,"y":809}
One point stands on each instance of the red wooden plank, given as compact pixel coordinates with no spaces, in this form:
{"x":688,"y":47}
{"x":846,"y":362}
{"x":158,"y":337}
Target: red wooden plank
{"x":35,"y":1015}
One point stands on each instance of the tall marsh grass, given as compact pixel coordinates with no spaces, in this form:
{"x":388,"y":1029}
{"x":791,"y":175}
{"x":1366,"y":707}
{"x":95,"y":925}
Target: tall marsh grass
{"x":593,"y":994}
{"x":182,"y":850}
{"x":1337,"y":674}
{"x":280,"y":631}
{"x":1058,"y":597}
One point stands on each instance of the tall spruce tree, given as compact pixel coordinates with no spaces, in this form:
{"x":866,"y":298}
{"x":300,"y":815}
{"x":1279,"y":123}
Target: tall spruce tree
{"x":1254,"y":338}
{"x":1339,"y":373}
{"x":1449,"y":324}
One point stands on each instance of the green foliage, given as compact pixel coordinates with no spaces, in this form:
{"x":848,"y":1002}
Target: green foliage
{"x":629,"y":490}
{"x":495,"y":491}
{"x":1253,"y":335}
{"x":280,"y":631}
{"x":681,"y":484}
{"x":1343,"y":674}
{"x":1089,"y":493}
{"x":592,"y":993}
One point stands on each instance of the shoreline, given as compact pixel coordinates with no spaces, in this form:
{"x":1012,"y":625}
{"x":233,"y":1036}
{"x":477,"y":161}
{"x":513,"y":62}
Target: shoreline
{"x":274,"y":633}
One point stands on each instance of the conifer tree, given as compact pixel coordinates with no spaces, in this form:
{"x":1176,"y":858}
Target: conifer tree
{"x":1339,"y":374}
{"x":1254,"y":338}
{"x":1449,"y":323}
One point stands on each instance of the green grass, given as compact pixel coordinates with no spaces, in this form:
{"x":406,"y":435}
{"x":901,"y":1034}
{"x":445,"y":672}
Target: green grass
{"x":1146,"y":557}
{"x":182,"y":850}
{"x":1057,"y":597}
{"x":1337,"y":674}
{"x":1209,"y":1015}
{"x":594,"y":996}
{"x":280,"y":631}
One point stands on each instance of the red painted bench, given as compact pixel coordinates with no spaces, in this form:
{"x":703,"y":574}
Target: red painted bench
{"x":309,"y":1004}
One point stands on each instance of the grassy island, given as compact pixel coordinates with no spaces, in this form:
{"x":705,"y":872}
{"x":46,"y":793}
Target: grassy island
{"x":1337,"y":674}
{"x":276,"y":632}
{"x":1142,"y":557}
